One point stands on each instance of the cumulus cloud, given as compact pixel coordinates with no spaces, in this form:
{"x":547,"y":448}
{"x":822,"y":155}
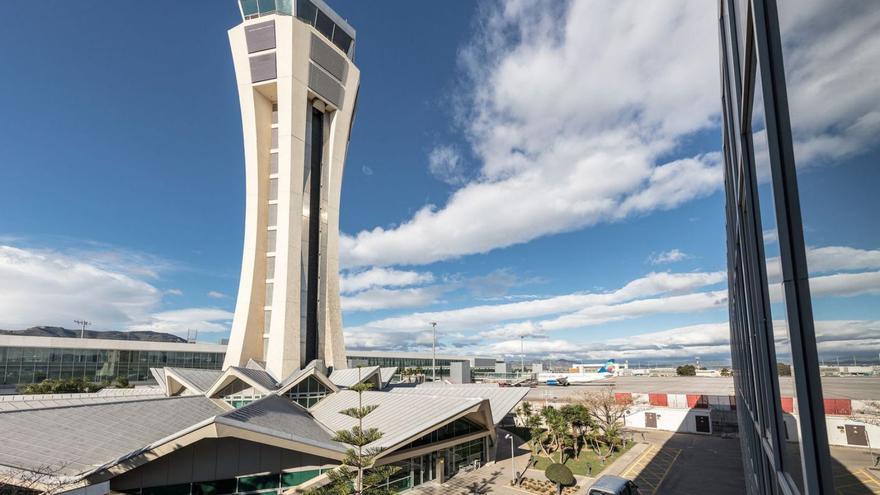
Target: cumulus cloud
{"x":381,"y":298}
{"x":474,"y":317}
{"x":182,"y":320}
{"x":830,"y":53}
{"x":217,"y":294}
{"x":354,"y":281}
{"x":48,"y":287}
{"x":45,"y":287}
{"x":444,"y":163}
{"x":708,"y":340}
{"x":552,"y":159}
{"x":664,"y":257}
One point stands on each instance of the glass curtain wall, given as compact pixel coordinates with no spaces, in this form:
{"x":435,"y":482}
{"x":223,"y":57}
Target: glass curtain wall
{"x":801,"y":104}
{"x":25,"y":365}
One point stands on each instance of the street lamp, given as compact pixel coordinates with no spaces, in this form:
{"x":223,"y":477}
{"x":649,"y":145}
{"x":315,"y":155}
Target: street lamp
{"x":512,"y":462}
{"x":434,"y":351}
{"x":522,"y":355}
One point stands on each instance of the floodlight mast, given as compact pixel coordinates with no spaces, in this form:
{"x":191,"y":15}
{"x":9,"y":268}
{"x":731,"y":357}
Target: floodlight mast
{"x":82,"y":324}
{"x":434,"y":351}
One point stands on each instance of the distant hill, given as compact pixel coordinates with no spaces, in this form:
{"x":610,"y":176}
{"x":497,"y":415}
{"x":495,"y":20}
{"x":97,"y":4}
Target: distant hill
{"x":144,"y":336}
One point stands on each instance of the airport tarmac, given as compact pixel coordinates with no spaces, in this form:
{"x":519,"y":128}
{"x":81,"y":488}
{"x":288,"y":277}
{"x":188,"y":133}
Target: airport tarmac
{"x":834,"y":387}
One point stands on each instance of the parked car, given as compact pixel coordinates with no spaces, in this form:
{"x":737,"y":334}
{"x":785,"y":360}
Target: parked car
{"x":614,"y":485}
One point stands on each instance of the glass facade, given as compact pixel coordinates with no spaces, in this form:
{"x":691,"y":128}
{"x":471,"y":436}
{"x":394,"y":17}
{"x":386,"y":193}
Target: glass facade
{"x":412,"y":472}
{"x":255,"y":483}
{"x":400,"y":363}
{"x":25,"y":365}
{"x":423,"y":468}
{"x":308,"y":392}
{"x":800,"y":99}
{"x":306,"y":11}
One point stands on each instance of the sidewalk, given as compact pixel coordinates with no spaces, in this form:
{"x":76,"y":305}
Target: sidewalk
{"x":629,"y":457}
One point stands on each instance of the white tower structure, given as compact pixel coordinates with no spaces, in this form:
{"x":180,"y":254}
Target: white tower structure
{"x":297,"y":88}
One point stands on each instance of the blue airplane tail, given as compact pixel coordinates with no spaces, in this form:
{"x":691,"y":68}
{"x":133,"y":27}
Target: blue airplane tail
{"x":609,"y":367}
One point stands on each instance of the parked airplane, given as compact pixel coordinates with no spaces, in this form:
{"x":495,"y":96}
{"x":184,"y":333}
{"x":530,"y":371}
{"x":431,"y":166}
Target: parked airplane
{"x":605,"y":371}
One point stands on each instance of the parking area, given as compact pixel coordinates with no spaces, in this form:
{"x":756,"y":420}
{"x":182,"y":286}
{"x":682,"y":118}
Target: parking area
{"x":670,"y":463}
{"x":859,"y":482}
{"x":651,"y":468}
{"x":677,"y":463}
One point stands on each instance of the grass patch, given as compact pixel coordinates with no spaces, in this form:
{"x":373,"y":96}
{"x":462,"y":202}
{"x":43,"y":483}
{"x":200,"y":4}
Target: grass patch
{"x":582,"y":464}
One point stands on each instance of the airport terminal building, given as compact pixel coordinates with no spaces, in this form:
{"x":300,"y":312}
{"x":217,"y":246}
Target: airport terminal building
{"x":244,"y":430}
{"x":26,"y":359}
{"x":265,"y":418}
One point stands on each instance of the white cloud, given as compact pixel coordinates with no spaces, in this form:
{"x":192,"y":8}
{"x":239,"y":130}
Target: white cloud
{"x":708,"y":340}
{"x":570,"y":115}
{"x":471,"y":318}
{"x":351,"y":282}
{"x":594,"y":315}
{"x":444,"y":163}
{"x":670,"y":256}
{"x":47,"y":287}
{"x":174,"y":292}
{"x":845,"y":284}
{"x":217,"y":294}
{"x":834,"y":258}
{"x":381,"y":298}
{"x":830,"y":53}
{"x":366,"y":170}
{"x":181,"y":320}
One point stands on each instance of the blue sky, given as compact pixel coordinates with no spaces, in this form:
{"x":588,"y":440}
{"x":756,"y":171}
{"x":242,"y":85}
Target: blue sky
{"x":549,"y":170}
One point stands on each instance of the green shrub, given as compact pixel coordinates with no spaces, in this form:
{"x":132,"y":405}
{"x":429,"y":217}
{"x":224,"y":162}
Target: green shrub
{"x":61,"y":386}
{"x":560,"y":474}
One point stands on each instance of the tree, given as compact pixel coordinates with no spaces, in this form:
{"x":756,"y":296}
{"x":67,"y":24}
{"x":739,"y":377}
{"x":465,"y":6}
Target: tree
{"x":560,"y":475}
{"x":578,"y":418}
{"x":725,"y":372}
{"x":61,"y":386}
{"x":357,"y":475}
{"x":556,"y":428}
{"x":686,"y":370}
{"x":46,"y":479}
{"x":607,"y":413}
{"x":783,"y":369}
{"x":524,"y":412}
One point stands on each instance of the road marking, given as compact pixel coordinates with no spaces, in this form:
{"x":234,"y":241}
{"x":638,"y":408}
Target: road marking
{"x":863,"y":479}
{"x":629,"y":471}
{"x":651,"y":468}
{"x":675,"y":458}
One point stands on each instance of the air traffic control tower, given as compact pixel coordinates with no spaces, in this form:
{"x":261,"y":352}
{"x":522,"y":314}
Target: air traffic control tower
{"x":297,"y":88}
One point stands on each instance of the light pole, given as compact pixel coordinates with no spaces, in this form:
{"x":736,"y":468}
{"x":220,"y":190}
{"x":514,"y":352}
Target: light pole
{"x":83,"y":324}
{"x":434,"y":351}
{"x":522,"y":355}
{"x":512,"y":461}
